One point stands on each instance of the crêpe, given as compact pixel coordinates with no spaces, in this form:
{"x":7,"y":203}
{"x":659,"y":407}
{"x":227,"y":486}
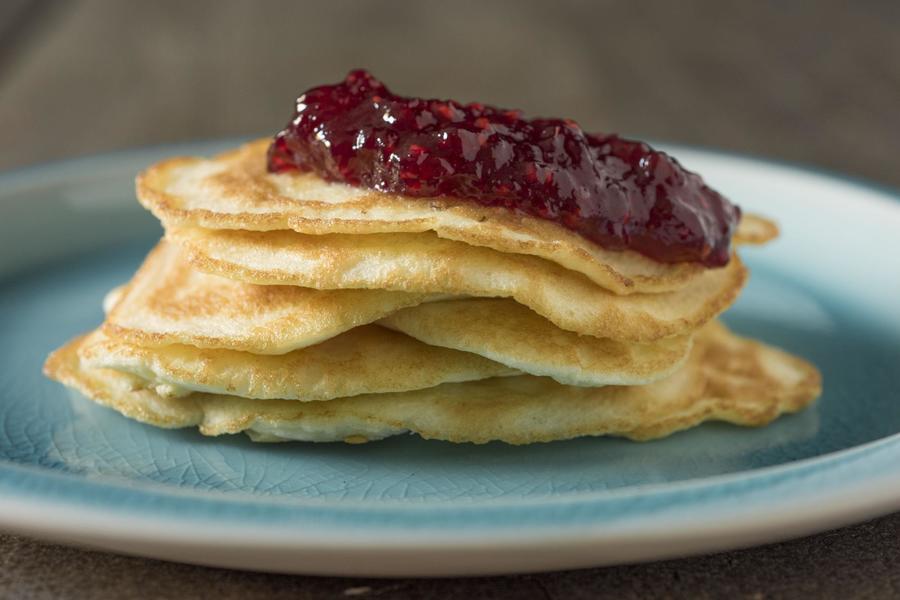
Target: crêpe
{"x":423,"y":262}
{"x":726,"y":378}
{"x":234,"y":191}
{"x":510,"y":333}
{"x":366,"y":359}
{"x":169,"y":303}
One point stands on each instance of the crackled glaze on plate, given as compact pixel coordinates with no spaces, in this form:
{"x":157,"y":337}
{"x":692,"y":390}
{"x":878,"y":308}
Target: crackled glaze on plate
{"x":75,"y":472}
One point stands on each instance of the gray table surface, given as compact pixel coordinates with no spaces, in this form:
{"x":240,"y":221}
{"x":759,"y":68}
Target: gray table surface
{"x":814,"y":82}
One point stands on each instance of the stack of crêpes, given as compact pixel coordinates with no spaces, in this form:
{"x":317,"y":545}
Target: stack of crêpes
{"x":291,"y":308}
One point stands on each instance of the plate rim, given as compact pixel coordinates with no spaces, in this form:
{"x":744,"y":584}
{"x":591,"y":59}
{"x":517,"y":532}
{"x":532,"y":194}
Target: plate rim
{"x":890,"y":445}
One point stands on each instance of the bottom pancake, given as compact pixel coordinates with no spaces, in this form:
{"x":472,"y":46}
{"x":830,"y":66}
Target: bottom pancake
{"x":726,"y":378}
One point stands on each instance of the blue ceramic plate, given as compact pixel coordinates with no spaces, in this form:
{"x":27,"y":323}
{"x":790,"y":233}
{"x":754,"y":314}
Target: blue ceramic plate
{"x":73,"y":472}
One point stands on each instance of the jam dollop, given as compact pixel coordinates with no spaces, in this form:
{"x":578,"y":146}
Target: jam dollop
{"x":616,"y":192}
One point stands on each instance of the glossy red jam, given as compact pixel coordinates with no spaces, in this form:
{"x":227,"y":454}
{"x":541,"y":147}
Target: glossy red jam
{"x":616,"y":192}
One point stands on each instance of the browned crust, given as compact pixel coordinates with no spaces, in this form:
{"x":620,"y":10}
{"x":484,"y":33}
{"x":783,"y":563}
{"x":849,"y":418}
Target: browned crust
{"x":158,"y":292}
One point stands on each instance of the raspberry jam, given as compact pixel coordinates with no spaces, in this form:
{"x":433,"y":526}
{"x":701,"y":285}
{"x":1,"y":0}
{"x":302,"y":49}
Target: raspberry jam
{"x":616,"y":192}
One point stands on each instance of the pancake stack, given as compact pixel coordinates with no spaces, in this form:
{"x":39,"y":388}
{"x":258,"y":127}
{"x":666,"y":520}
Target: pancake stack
{"x":291,"y":308}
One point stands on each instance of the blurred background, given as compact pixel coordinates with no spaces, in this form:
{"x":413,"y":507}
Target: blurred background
{"x":816,"y":82}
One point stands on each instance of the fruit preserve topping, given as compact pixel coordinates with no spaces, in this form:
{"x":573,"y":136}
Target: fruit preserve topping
{"x":616,"y":192}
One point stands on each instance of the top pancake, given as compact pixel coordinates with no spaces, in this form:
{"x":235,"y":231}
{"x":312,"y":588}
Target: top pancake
{"x":234,"y":191}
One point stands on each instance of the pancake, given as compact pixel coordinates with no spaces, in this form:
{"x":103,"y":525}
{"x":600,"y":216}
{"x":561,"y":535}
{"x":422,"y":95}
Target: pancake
{"x":726,"y":378}
{"x":367,"y":359}
{"x":499,"y":329}
{"x":509,"y":333}
{"x":234,"y":191}
{"x":755,"y":231}
{"x":168,"y":302}
{"x":423,"y":262}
